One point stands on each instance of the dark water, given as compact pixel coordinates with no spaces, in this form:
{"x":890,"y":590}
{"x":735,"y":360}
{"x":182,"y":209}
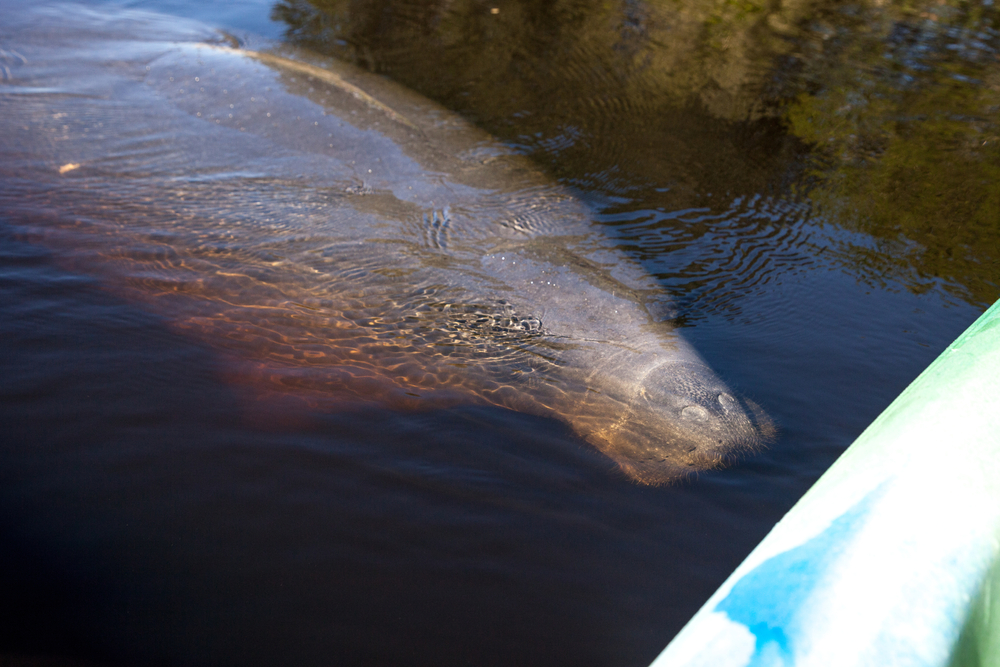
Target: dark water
{"x":815,"y":185}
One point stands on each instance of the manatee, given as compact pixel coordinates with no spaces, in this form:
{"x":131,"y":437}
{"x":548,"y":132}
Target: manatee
{"x":341,"y":239}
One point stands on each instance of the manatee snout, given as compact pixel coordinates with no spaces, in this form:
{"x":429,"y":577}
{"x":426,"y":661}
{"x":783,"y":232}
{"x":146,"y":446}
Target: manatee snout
{"x":681,"y":419}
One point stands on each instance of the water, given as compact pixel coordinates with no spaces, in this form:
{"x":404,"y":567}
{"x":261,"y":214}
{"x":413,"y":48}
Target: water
{"x":182,"y":484}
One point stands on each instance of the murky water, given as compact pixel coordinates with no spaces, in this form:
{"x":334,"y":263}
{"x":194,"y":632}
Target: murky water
{"x":270,"y":396}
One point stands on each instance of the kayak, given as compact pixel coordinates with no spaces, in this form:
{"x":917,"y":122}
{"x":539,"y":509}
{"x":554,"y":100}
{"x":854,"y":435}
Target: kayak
{"x":891,"y":558}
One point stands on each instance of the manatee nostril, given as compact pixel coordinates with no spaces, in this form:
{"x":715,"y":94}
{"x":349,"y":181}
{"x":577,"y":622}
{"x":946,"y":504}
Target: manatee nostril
{"x":727,"y":401}
{"x":694,"y":412}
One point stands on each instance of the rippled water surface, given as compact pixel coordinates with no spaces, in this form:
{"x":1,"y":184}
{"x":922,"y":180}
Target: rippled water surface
{"x":297,"y":372}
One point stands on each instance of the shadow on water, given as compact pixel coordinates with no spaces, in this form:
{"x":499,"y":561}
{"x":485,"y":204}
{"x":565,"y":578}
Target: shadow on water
{"x":879,"y":117}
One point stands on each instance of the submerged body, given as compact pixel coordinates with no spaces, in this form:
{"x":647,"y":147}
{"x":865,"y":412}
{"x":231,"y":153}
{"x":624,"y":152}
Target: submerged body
{"x":342,"y":238}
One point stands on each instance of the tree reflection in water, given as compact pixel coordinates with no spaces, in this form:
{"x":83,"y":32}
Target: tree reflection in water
{"x":882,"y":115}
{"x":902,"y":106}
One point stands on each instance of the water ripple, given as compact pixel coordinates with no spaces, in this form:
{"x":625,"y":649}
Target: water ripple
{"x":713,"y":260}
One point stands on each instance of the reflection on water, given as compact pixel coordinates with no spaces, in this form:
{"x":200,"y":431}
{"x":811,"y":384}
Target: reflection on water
{"x":608,"y":94}
{"x":883,"y":115}
{"x":902,"y":106}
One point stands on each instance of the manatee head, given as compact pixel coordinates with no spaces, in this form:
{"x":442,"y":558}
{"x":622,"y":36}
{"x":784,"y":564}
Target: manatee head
{"x":678,"y":419}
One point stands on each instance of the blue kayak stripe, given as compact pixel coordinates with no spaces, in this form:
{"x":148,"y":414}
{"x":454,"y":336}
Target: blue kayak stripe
{"x":768,"y":599}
